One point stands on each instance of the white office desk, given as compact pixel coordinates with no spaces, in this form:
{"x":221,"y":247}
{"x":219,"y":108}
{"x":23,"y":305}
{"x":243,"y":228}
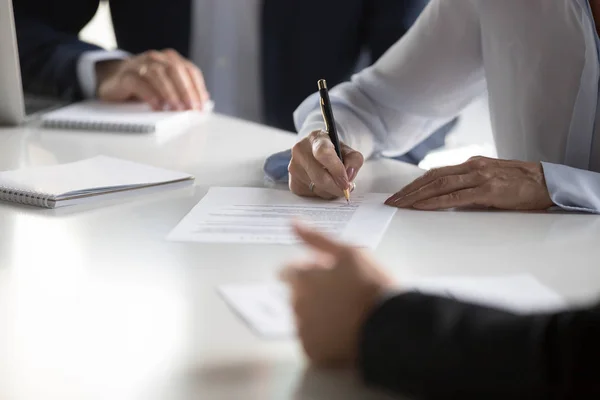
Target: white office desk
{"x":95,"y":304}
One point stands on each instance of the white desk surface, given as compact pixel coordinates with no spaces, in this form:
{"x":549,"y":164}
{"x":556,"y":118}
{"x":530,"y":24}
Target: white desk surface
{"x":96,"y":305}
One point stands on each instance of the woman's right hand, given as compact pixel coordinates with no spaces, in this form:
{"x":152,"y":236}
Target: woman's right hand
{"x":315,"y":170}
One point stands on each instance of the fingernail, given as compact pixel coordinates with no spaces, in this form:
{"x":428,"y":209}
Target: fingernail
{"x":351,"y":171}
{"x":342,"y":183}
{"x":397,"y":201}
{"x":401,"y":202}
{"x":392,"y":198}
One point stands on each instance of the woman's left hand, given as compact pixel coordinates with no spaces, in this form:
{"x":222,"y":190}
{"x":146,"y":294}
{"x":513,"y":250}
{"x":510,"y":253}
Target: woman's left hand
{"x":479,"y":182}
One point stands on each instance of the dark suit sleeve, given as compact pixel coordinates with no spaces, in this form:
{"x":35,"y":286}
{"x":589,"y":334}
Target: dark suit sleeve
{"x":152,"y":25}
{"x":48,"y":55}
{"x":431,"y":347}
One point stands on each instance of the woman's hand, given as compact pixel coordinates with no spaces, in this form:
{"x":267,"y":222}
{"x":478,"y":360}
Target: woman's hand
{"x":480,"y":182}
{"x":315,"y":169}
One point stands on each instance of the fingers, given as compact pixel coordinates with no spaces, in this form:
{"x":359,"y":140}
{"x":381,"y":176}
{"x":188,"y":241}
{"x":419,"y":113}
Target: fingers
{"x":299,"y":184}
{"x":314,"y":160}
{"x":293,"y":271}
{"x":316,"y":240}
{"x":188,"y":80}
{"x":304,"y":169}
{"x":324,"y":153}
{"x":138,"y":88}
{"x":473,"y":164}
{"x":178,"y":74}
{"x":353,"y":161}
{"x":463,"y":198}
{"x":158,"y":77}
{"x":199,"y":83}
{"x":303,"y":189}
{"x":178,"y":82}
{"x":324,"y":183}
{"x":440,"y":186}
{"x":429,"y":177}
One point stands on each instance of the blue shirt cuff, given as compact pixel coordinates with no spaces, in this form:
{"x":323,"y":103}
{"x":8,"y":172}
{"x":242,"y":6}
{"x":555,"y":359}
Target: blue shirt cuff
{"x":573,"y":189}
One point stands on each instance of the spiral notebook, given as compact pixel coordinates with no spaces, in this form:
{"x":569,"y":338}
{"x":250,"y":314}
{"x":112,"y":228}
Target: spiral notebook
{"x":118,"y":117}
{"x":83,"y":181}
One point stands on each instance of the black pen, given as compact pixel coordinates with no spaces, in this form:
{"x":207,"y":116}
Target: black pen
{"x":327,"y":112}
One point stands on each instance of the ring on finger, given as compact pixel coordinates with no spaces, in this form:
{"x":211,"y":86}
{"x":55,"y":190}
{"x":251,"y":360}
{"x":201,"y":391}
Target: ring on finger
{"x":143,"y":70}
{"x":311,"y":187}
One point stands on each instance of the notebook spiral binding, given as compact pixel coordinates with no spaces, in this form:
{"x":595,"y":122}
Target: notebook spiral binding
{"x":98,"y":126}
{"x":29,"y":198}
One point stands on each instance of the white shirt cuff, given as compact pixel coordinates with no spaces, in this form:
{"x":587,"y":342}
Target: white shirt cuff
{"x":86,"y":68}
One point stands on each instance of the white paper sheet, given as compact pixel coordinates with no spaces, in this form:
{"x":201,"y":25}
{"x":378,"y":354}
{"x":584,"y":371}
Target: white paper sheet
{"x":252,"y":215}
{"x":266,"y":309}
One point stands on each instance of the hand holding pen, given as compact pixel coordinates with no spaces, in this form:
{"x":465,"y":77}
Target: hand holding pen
{"x":321,"y":165}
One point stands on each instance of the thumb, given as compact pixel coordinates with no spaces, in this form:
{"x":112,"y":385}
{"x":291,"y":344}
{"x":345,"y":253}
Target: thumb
{"x":353,"y":161}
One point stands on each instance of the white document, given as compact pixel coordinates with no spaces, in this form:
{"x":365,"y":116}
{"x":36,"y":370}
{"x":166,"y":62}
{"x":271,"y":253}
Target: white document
{"x":251,"y":215}
{"x":266,"y":309}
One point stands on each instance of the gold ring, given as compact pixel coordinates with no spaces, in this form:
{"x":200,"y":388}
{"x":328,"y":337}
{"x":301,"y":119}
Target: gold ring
{"x":143,"y":70}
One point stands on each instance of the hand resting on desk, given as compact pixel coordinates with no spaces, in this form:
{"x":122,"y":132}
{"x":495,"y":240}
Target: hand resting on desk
{"x":479,"y":182}
{"x":163,"y":79}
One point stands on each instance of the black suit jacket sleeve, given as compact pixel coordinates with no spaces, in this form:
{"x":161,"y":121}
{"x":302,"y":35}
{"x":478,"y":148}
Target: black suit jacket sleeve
{"x":48,"y":56}
{"x":152,"y":25}
{"x":432,"y":347}
{"x":49,"y":48}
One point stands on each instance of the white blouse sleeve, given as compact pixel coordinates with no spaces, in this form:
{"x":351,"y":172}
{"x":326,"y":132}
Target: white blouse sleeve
{"x":420,"y":84}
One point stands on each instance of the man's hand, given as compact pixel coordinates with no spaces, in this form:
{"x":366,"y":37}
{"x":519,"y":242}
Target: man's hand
{"x":332,"y":295}
{"x":315,"y":169}
{"x":163,"y":79}
{"x":480,"y":182}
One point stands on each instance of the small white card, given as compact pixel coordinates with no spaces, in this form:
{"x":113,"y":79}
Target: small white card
{"x":266,"y":307}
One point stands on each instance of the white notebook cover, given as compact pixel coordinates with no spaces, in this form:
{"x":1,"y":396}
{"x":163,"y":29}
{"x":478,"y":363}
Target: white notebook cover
{"x":117,"y":117}
{"x":51,"y":185}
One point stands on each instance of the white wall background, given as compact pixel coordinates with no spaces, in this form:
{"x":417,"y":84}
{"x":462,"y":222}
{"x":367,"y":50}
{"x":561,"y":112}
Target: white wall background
{"x":473,"y":136}
{"x":99,"y":31}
